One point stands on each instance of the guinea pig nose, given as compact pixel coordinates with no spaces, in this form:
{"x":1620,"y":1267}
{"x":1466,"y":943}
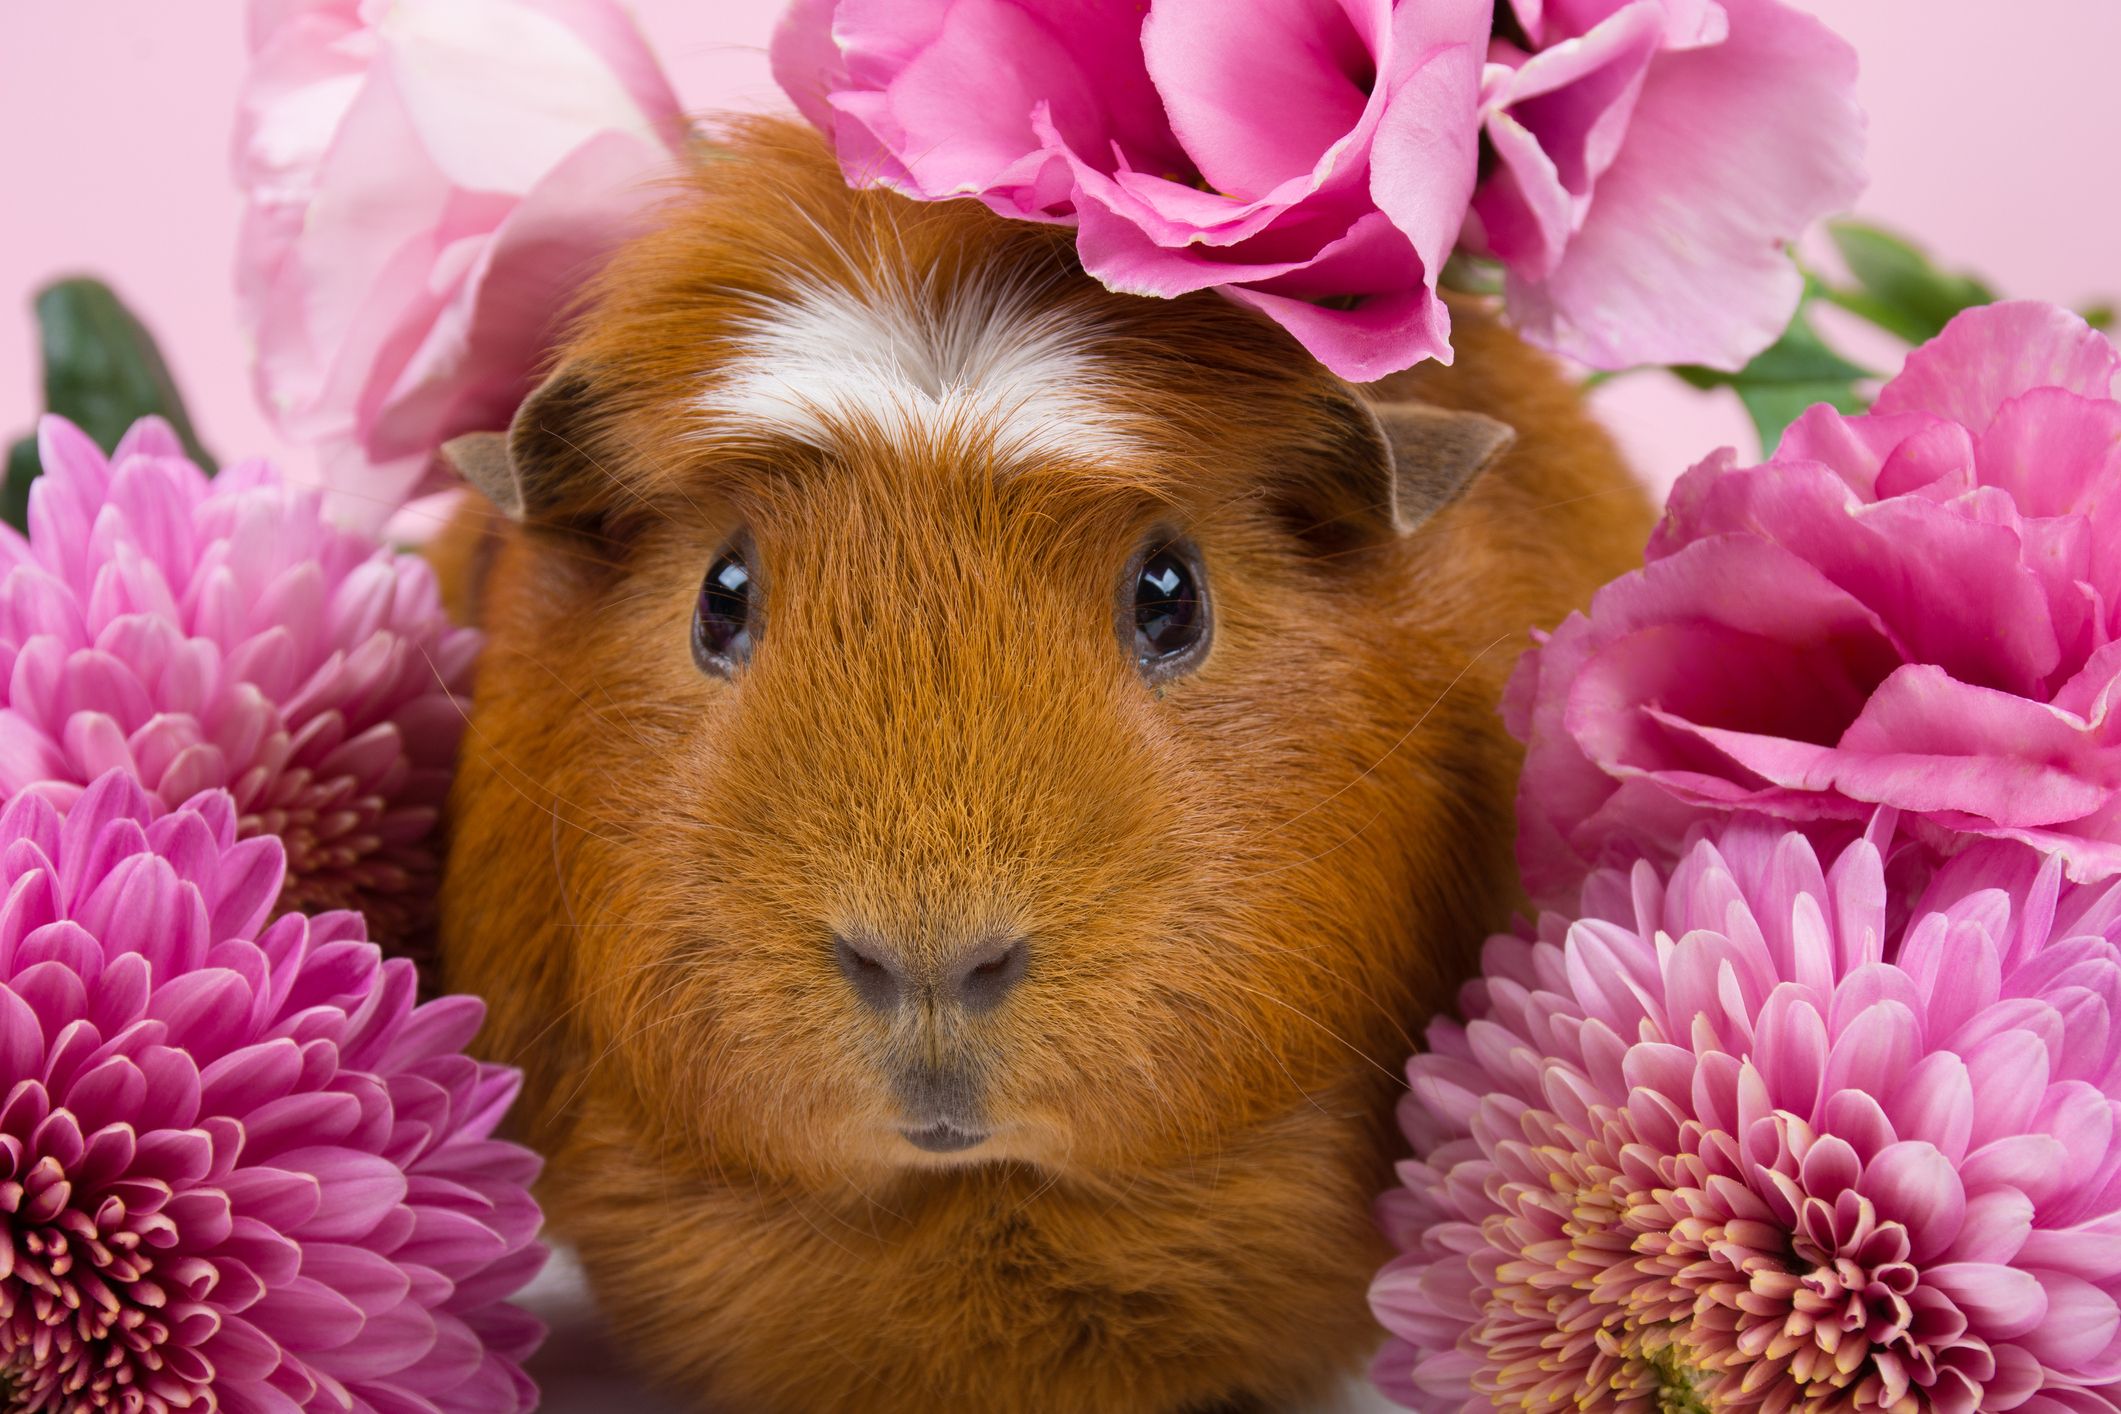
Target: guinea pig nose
{"x":980,"y":981}
{"x":876,"y":979}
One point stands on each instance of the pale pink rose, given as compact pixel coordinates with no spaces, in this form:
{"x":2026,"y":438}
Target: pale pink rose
{"x":1650,"y":162}
{"x":1918,"y":608}
{"x":429,"y":184}
{"x":1311,"y":161}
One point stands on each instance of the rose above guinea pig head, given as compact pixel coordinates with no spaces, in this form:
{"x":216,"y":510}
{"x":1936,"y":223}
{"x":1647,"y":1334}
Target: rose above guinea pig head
{"x":939,"y":711}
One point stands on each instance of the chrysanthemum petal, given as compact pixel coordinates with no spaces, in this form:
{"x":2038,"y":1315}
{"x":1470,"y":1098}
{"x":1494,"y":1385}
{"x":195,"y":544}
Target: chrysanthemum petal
{"x":186,"y":1149}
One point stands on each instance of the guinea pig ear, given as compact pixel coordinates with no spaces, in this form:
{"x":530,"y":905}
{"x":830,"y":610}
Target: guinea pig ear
{"x":1432,"y":454}
{"x":534,"y":470}
{"x":480,"y":460}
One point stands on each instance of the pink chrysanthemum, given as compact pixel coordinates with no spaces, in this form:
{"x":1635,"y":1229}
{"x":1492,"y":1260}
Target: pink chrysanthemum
{"x":1728,"y":1142}
{"x":200,"y":633}
{"x":239,"y":1168}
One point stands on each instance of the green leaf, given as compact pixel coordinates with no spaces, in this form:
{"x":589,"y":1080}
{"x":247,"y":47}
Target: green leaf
{"x":22,"y":469}
{"x":102,"y":370}
{"x":1470,"y":274}
{"x":1898,"y":287}
{"x":1788,"y":376}
{"x":1774,"y":406}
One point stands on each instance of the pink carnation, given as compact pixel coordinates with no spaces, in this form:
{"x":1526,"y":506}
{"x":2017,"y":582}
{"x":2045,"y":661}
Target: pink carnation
{"x":1918,"y":608}
{"x":1651,"y":161}
{"x":1312,"y":161}
{"x":427,"y":187}
{"x":1729,"y":1141}
{"x":239,"y":1168}
{"x":198,"y":633}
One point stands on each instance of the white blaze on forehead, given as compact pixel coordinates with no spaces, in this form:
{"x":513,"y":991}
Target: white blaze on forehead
{"x":984,"y":360}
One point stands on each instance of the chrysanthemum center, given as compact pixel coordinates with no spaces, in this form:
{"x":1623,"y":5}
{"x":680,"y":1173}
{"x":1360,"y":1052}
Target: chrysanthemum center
{"x":1832,"y":1307}
{"x":87,"y":1320}
{"x":1676,"y":1383}
{"x":340,"y":854}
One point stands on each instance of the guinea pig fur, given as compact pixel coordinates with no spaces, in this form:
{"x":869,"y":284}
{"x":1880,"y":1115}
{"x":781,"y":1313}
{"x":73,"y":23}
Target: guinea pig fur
{"x":933,"y":1010}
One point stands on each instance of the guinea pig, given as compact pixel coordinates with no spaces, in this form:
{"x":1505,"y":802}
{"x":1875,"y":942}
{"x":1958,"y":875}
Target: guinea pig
{"x":974,"y":780}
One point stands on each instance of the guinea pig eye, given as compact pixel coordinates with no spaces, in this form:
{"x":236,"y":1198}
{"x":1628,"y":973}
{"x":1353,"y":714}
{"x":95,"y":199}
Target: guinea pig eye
{"x":725,"y":620}
{"x":1169,"y":611}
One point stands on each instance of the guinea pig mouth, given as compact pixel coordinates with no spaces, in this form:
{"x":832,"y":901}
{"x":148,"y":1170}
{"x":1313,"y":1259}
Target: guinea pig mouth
{"x":944,"y":1137}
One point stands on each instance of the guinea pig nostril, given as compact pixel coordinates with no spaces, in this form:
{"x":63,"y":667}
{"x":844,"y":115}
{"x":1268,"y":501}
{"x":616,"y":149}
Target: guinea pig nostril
{"x":992,"y":973}
{"x":876,"y":980}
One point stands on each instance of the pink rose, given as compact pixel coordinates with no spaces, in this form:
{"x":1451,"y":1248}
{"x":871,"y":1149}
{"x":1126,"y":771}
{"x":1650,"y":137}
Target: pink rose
{"x":1648,"y":161}
{"x":1919,"y":608}
{"x":1312,"y":161}
{"x":428,"y":186}
{"x":1651,"y":159}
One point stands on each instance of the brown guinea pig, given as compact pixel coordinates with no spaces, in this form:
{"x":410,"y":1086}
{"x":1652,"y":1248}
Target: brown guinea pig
{"x":974,"y":781}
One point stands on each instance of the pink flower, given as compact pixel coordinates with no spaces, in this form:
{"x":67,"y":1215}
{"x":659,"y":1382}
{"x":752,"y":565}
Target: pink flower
{"x":1916,"y":608}
{"x":197,"y":633}
{"x":239,"y":1168}
{"x":428,"y":186}
{"x":1651,"y":160}
{"x":1728,"y":1141}
{"x":1312,"y":161}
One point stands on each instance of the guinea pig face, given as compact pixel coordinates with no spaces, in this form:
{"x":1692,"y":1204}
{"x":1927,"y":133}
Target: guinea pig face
{"x":982,"y":718}
{"x":937,"y":860}
{"x":979,"y":806}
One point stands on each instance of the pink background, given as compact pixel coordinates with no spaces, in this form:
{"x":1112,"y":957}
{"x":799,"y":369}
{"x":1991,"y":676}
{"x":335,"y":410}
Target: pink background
{"x":1994,"y":133}
{"x":1994,"y":141}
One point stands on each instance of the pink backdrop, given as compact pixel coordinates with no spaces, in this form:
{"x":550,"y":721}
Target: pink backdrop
{"x":1994,"y":141}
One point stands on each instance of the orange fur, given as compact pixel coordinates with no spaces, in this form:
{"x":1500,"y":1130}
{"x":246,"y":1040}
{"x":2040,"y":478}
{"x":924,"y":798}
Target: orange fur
{"x":1242,"y":891}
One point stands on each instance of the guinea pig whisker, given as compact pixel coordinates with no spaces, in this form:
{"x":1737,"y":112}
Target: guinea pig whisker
{"x":1342,"y":843}
{"x":1051,"y":1180}
{"x":472,"y":728}
{"x":1390,"y":1013}
{"x":1544,"y":506}
{"x":623,"y":722}
{"x":609,"y":475}
{"x":1404,"y":737}
{"x":675,"y":483}
{"x":555,"y":795}
{"x":625,"y":1037}
{"x":1279,"y":1060}
{"x":619,"y":976}
{"x":1395,"y":1077}
{"x":870,"y":1201}
{"x":791,"y":1200}
{"x":559,"y":871}
{"x":623,"y":974}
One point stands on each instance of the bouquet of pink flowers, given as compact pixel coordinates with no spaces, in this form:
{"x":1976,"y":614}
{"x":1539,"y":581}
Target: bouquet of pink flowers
{"x":1629,"y":173}
{"x":1807,"y":1093}
{"x":240,"y":1167}
{"x":1688,"y":139}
